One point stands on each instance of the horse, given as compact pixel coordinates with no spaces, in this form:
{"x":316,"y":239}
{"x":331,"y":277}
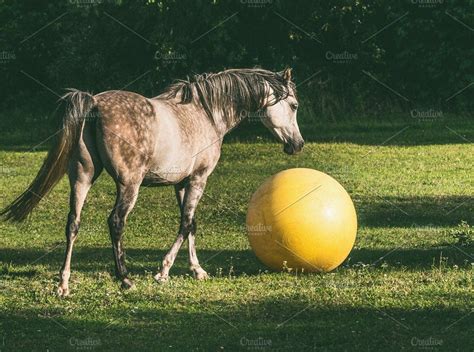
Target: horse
{"x":174,"y":138}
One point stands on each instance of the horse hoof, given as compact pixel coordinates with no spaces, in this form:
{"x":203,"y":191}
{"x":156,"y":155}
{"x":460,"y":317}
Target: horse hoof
{"x":63,"y":291}
{"x":127,"y":284}
{"x":161,"y":279}
{"x":202,"y":275}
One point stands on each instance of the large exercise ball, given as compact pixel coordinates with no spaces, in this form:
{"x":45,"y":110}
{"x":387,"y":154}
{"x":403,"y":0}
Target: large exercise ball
{"x":301,"y":219}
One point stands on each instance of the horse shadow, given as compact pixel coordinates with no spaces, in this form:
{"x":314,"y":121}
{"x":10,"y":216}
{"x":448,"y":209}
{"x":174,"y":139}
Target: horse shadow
{"x":27,"y":262}
{"x":412,"y":213}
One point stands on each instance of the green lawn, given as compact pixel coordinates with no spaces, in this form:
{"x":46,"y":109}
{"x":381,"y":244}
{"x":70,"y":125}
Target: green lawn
{"x":407,"y":284}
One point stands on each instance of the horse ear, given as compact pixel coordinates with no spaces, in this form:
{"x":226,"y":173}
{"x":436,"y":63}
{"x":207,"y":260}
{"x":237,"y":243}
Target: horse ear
{"x":287,"y":74}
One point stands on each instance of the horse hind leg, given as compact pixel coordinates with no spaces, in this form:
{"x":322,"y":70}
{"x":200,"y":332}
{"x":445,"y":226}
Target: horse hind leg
{"x":78,"y":195}
{"x":126,"y":198}
{"x":84,"y":168}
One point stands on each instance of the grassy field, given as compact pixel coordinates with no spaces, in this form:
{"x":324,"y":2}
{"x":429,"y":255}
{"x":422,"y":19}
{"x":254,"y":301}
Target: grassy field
{"x":407,"y":285}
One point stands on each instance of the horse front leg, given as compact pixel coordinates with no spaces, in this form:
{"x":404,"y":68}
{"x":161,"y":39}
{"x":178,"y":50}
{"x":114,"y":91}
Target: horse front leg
{"x":192,"y":194}
{"x":199,"y":272}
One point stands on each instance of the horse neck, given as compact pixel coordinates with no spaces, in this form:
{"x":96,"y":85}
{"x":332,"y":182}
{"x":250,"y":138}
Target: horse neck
{"x":225,"y":124}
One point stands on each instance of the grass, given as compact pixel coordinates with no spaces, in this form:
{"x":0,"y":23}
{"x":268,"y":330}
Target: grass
{"x":406,"y":285}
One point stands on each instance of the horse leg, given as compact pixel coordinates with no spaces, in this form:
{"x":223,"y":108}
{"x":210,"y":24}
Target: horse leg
{"x":199,"y":272}
{"x":195,"y":267}
{"x":191,"y":205}
{"x":193,"y":260}
{"x":78,"y":195}
{"x":83,"y":170}
{"x":180,"y":190}
{"x":168,"y":261}
{"x":126,"y":198}
{"x":192,"y":194}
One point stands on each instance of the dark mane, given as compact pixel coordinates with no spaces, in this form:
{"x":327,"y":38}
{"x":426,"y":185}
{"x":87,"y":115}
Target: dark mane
{"x":232,"y":93}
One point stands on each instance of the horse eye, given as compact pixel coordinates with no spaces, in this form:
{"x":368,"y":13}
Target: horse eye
{"x":294,"y":106}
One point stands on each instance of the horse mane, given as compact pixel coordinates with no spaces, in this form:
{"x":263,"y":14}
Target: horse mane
{"x":231,"y":93}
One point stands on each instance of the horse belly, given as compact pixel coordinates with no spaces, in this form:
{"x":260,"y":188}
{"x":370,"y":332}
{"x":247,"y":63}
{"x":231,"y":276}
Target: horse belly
{"x":171,"y":162}
{"x":164,"y":176}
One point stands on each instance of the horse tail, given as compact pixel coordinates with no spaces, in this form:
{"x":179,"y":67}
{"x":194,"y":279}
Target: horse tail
{"x":77,"y":106}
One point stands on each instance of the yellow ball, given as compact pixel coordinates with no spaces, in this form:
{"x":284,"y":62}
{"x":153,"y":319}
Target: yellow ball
{"x":302,"y":217}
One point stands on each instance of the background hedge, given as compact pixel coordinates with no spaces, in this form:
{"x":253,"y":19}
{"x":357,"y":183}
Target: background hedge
{"x":350,"y":58}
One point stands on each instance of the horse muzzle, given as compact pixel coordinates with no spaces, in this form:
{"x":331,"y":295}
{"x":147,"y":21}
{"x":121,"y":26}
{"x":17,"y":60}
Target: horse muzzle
{"x":292,"y":147}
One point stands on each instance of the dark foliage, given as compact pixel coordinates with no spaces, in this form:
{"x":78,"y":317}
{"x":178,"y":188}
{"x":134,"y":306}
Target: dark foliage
{"x":368,"y":57}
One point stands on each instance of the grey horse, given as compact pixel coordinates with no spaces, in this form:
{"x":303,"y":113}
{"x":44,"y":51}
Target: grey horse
{"x":172,"y":139}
